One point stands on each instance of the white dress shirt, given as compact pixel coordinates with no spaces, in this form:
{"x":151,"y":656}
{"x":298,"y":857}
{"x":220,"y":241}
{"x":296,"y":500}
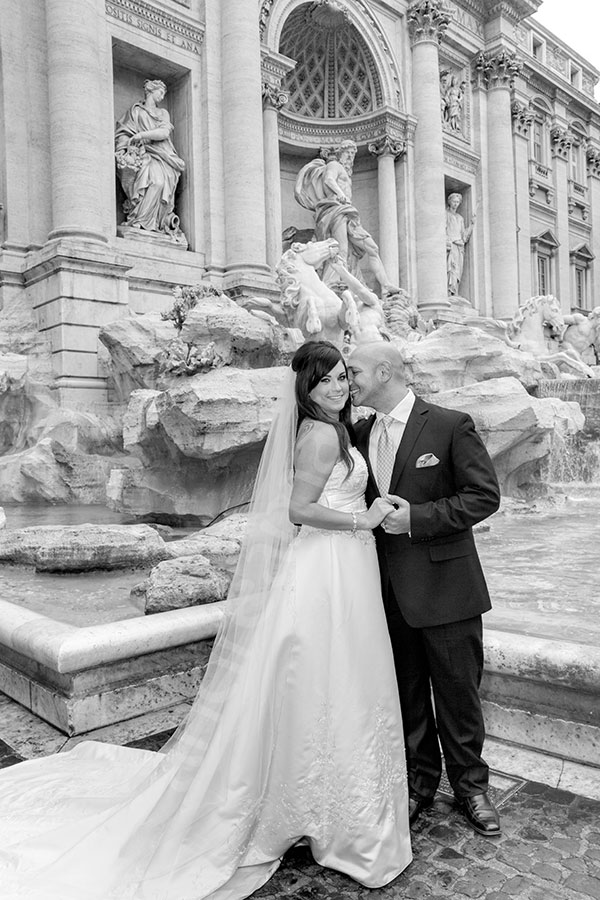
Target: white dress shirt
{"x":399,"y":414}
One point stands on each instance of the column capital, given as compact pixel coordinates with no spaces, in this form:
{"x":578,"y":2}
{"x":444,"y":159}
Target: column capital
{"x":561,"y":139}
{"x":273,"y":97}
{"x":387,"y":146}
{"x":522,"y":117}
{"x":498,"y":70}
{"x":427,"y":21}
{"x":592,"y":155}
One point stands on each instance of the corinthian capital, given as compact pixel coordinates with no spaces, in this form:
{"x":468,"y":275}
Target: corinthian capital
{"x":387,"y":146}
{"x":273,"y":97}
{"x":522,"y":117}
{"x":498,"y":70}
{"x":427,"y":20}
{"x":562,"y":140}
{"x":592,"y":155}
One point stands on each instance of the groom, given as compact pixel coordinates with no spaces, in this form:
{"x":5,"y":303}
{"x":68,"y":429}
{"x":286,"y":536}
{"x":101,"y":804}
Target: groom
{"x":433,"y":466}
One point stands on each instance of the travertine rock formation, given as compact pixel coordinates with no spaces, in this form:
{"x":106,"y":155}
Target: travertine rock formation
{"x":78,"y":548}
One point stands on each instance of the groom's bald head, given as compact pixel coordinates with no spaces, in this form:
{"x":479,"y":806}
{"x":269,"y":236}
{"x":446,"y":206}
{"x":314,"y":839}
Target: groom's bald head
{"x":377,"y":375}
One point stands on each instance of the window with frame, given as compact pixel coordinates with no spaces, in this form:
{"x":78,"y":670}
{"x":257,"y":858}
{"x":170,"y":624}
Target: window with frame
{"x":581,"y":262}
{"x":543,"y":248}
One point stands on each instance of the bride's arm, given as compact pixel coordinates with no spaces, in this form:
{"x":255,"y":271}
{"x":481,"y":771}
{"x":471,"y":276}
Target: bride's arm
{"x":317,"y":451}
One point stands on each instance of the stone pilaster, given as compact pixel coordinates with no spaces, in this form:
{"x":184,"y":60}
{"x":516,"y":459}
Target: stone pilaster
{"x":593,"y":172}
{"x":77,"y":139}
{"x":497,"y":72}
{"x":273,"y":101}
{"x":274,"y":67}
{"x":561,"y":140}
{"x":387,"y":152}
{"x":243,"y":147}
{"x":427,"y":22}
{"x":522,"y":120}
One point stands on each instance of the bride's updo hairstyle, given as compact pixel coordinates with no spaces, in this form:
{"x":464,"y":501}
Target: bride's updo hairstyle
{"x":311,"y":362}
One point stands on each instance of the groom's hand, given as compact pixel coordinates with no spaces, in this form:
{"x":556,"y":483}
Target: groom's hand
{"x":398,"y":521}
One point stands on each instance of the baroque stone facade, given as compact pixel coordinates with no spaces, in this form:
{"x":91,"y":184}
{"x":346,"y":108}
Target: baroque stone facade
{"x":461,"y":97}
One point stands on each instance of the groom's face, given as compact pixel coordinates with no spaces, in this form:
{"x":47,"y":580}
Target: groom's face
{"x":363,"y":382}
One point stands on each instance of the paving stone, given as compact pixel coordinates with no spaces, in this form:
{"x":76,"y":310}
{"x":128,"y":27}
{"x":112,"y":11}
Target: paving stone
{"x":546,"y":872}
{"x":583,"y":884}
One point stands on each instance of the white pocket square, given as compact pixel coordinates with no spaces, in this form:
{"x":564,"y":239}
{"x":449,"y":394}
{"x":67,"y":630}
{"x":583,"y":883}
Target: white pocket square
{"x":427,"y":459}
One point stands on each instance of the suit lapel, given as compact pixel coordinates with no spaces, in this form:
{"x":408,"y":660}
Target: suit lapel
{"x":414,"y":426}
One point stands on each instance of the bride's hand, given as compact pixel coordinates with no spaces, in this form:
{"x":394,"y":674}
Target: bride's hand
{"x":377,"y":512}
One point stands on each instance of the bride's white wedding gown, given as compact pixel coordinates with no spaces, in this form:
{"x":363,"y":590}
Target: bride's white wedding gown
{"x":314,"y":750}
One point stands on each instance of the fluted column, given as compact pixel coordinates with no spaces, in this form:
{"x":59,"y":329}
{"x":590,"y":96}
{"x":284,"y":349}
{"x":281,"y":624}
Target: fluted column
{"x":593,"y":174}
{"x":387,"y":151}
{"x":427,"y":21}
{"x":77,"y":139}
{"x":497,"y":72}
{"x":273,"y":100}
{"x":522,"y":118}
{"x":243,"y":153}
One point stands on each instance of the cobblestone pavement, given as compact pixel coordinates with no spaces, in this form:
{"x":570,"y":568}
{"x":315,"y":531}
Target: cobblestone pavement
{"x":549,"y":850}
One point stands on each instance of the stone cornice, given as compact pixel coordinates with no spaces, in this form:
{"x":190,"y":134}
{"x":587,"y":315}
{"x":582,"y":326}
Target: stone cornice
{"x":274,"y":66}
{"x":156,"y":22}
{"x":515,"y":10}
{"x":387,"y":122}
{"x":427,"y":20}
{"x":499,"y":69}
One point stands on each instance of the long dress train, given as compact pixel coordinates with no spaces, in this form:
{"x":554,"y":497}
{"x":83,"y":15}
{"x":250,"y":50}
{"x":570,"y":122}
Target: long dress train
{"x":312,"y":748}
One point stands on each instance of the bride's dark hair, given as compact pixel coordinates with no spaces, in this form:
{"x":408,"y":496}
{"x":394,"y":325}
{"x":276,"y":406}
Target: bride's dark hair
{"x":311,"y":362}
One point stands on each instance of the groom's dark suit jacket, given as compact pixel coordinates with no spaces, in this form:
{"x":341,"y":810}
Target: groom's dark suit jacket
{"x":435,"y":572}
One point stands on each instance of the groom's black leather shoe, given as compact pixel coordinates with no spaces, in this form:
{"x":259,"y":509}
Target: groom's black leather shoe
{"x":481,"y":814}
{"x":416,"y":805}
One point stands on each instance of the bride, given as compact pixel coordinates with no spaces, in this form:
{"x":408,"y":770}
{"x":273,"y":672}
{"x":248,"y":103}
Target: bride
{"x":296,"y":730}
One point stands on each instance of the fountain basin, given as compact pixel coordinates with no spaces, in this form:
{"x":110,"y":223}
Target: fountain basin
{"x":80,"y":679}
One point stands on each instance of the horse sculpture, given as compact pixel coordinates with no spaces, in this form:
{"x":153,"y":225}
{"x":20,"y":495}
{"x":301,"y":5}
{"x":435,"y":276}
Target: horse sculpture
{"x":534,"y":327}
{"x":307,"y":302}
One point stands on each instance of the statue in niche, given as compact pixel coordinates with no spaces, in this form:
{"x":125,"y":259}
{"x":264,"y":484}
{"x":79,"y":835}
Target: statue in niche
{"x":324,"y":186}
{"x":148,"y":165}
{"x":452,"y":97}
{"x":457,"y":236}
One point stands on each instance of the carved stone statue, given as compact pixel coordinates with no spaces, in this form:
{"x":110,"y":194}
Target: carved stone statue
{"x":582,"y":335}
{"x":457,"y":236}
{"x":325,"y":187}
{"x":452,"y":101}
{"x":148,"y":165}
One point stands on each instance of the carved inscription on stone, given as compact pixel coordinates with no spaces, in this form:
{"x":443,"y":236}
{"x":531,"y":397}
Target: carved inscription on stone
{"x":159,"y":24}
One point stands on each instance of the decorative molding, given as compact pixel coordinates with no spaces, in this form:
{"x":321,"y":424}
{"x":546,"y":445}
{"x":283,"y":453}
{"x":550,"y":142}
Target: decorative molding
{"x":263,"y":16}
{"x":498,"y":70}
{"x":428,"y":21}
{"x":387,"y":146}
{"x":274,"y":66}
{"x":522,"y":117}
{"x":540,"y":179}
{"x":561,"y":140}
{"x":157,"y":23}
{"x":273,"y":97}
{"x":363,"y":130}
{"x":461,"y":159}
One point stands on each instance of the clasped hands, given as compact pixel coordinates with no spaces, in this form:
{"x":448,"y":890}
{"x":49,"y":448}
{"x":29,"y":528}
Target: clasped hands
{"x":398,"y":520}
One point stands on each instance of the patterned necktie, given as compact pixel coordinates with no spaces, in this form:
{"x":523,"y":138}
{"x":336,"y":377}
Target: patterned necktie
{"x":386,"y":455}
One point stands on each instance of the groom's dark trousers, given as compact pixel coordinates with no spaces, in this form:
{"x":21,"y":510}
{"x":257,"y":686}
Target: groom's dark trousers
{"x":434,"y":593}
